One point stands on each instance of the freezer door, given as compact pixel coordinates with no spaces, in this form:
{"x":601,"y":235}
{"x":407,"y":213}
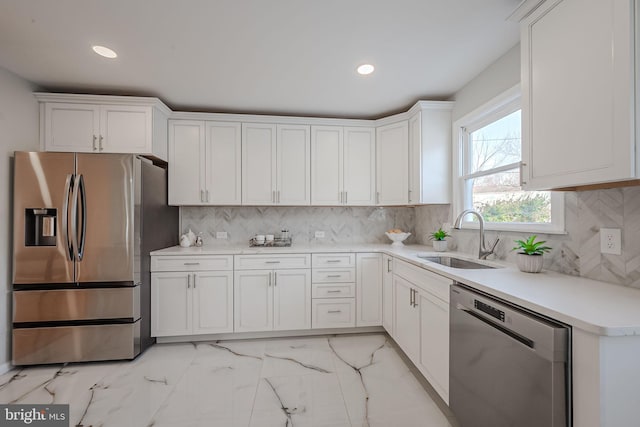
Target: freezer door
{"x":104,"y":232}
{"x":41,"y":196}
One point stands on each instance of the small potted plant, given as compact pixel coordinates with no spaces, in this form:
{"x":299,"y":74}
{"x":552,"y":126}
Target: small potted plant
{"x":438,"y":237}
{"x":529,"y":257}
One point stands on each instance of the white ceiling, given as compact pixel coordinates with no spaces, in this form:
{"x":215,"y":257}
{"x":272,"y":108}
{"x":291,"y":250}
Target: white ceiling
{"x":258,"y":56}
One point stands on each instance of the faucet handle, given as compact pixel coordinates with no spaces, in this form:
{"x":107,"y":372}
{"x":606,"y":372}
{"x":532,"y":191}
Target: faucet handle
{"x":494,"y":244}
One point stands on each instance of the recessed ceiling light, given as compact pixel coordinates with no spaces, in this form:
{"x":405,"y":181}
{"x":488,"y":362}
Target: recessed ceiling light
{"x":365,"y":69}
{"x":104,"y":51}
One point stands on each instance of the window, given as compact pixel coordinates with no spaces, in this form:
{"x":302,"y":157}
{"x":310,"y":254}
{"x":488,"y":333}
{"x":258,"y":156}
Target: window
{"x":488,"y":174}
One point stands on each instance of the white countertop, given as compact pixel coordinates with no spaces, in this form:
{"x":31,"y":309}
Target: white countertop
{"x":593,"y":306}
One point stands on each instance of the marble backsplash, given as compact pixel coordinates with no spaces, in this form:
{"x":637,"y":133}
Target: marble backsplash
{"x":578,"y":251}
{"x":340,"y":224}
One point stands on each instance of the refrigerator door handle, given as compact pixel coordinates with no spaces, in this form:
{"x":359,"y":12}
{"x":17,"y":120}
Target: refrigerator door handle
{"x":83,"y":229}
{"x":64,"y":220}
{"x":74,"y":220}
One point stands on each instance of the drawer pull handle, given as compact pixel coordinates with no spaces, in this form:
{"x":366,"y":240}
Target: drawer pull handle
{"x":334,"y":311}
{"x":272,"y":262}
{"x":334,"y":292}
{"x":334,"y":276}
{"x":191,"y":263}
{"x":333,"y":260}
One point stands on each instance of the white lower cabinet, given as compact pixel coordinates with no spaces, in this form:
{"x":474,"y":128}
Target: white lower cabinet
{"x":387,"y":293}
{"x":186,"y":303}
{"x":266,"y":300}
{"x":333,"y":313}
{"x":369,"y":289}
{"x":334,"y":290}
{"x":421,"y":322}
{"x":407,"y":318}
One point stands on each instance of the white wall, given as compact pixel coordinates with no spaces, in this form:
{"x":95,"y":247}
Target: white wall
{"x":503,"y":74}
{"x":18,"y":131}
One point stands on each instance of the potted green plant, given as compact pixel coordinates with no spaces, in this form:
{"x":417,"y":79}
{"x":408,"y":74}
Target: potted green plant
{"x":438,"y":237}
{"x":529,"y":257}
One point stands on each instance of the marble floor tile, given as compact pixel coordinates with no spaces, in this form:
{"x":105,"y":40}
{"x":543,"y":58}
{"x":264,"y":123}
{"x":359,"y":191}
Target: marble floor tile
{"x":336,"y":381}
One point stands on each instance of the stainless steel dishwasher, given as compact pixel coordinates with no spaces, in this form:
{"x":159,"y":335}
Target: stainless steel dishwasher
{"x":508,"y":366}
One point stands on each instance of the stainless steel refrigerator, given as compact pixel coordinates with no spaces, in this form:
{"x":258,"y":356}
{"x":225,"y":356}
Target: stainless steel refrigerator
{"x":84,"y":225}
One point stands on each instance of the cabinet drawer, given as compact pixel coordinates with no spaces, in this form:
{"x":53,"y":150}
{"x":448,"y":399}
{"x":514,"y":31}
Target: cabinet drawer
{"x":333,"y":275}
{"x":334,"y":260}
{"x":191,"y":262}
{"x":424,"y":279}
{"x":333,"y":313}
{"x":347,"y":290}
{"x":274,"y":262}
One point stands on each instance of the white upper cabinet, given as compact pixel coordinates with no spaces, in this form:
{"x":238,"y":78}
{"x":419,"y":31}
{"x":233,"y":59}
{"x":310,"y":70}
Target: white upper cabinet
{"x":578,"y":93}
{"x":104,"y":124}
{"x":275,"y":164}
{"x":204,"y":163}
{"x":186,"y":162}
{"x":223,"y":163}
{"x":392,"y":154}
{"x":430,"y":154}
{"x":293,"y":177}
{"x":343,"y":165}
{"x":359,"y":166}
{"x":327,"y":165}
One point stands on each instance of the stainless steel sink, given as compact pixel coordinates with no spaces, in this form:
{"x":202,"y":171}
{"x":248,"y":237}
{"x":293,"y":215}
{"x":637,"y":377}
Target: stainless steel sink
{"x":454,"y":262}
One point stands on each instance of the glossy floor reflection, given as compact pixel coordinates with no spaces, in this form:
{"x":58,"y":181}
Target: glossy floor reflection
{"x":352,"y":380}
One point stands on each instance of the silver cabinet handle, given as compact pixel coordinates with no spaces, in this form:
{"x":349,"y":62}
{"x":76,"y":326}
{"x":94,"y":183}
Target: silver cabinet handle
{"x":332,"y":260}
{"x":389,"y":265}
{"x":272,"y":262}
{"x":94,"y":143}
{"x":275,"y":278}
{"x":377,"y":197}
{"x":278,"y":196}
{"x":194,"y":281}
{"x":334,"y":276}
{"x":269,"y":279}
{"x":334,"y":311}
{"x":411,"y":297}
{"x":207,"y":198}
{"x":409,"y":196}
{"x":202,"y":196}
{"x":188,"y":281}
{"x":191,"y":263}
{"x":100,"y":142}
{"x":334,"y":292}
{"x":346,"y":197}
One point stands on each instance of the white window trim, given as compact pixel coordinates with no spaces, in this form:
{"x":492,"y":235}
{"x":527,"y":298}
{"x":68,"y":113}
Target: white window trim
{"x":501,"y":105}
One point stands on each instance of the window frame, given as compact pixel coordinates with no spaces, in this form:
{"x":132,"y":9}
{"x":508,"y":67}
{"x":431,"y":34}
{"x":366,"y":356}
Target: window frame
{"x":491,"y":111}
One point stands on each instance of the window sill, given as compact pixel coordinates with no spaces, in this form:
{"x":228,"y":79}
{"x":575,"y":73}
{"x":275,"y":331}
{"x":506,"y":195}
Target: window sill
{"x":514,"y":228}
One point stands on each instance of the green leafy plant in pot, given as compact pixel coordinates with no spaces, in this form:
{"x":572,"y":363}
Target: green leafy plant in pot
{"x":530,"y":254}
{"x":438,"y":237}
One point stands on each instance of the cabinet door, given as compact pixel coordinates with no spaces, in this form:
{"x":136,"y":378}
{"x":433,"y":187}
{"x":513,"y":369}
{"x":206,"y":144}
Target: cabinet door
{"x":294,"y":165}
{"x":223,"y":164}
{"x":291,"y":299}
{"x":253,"y":301}
{"x":359,"y":166}
{"x":171,"y":304}
{"x":186,"y":162}
{"x":577,"y":93}
{"x":212,"y":302}
{"x":258,"y":164}
{"x":387,"y":293}
{"x":71,"y":127}
{"x":407,"y":319}
{"x":369,"y":290}
{"x":392,"y":159}
{"x":434,"y":342}
{"x":415,"y":154}
{"x":125,"y":129}
{"x":327,"y":165}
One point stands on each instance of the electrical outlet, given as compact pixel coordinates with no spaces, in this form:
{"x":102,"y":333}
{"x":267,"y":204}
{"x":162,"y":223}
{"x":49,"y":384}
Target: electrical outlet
{"x":610,"y":241}
{"x":319,"y":234}
{"x":221,"y":235}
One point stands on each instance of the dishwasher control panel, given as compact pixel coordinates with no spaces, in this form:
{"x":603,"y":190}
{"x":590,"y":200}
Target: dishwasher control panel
{"x":491,"y":311}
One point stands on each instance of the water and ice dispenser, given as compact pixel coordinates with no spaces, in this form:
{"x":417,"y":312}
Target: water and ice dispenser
{"x":40,"y":227}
